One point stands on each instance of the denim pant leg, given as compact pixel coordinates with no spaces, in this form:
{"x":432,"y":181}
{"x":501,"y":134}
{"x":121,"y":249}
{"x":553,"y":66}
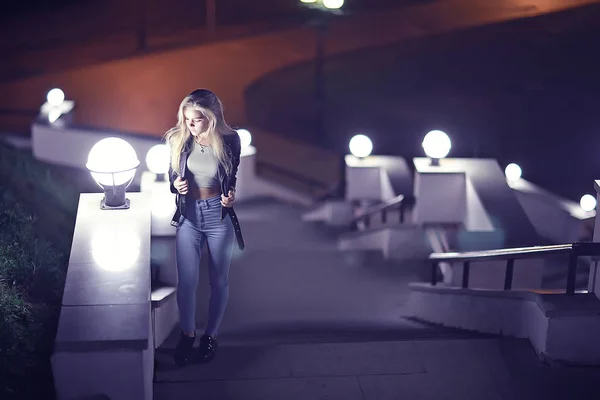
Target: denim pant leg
{"x":220,"y":236}
{"x":202,"y":223}
{"x":188,"y":244}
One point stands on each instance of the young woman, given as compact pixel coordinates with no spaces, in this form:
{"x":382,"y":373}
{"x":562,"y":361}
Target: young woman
{"x":205,"y":154}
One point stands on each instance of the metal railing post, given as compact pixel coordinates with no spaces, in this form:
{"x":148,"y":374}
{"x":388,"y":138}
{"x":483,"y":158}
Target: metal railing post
{"x":465,"y":277}
{"x":508,"y":278}
{"x":571,"y":273}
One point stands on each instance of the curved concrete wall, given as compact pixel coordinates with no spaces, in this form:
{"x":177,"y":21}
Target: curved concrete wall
{"x":141,"y":94}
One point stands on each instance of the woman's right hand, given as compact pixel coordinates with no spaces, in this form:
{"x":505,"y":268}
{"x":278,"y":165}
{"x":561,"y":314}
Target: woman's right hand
{"x":181,"y":185}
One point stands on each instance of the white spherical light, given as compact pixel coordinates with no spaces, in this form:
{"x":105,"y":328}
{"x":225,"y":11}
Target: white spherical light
{"x":245,"y":137}
{"x":55,"y":97}
{"x":587,"y":202}
{"x":361,"y":146}
{"x":157,"y":159}
{"x":436,"y":144}
{"x":513,"y":172}
{"x":333,"y":4}
{"x":112,"y":157}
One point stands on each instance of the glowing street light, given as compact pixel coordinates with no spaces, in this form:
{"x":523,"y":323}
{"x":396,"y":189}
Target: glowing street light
{"x":437,"y":145}
{"x":157,"y":160}
{"x":513,"y":172}
{"x":55,"y":97}
{"x":360,"y":146}
{"x":587,"y":202}
{"x":56,"y":105}
{"x":112,"y":163}
{"x":333,"y":4}
{"x":245,"y":138}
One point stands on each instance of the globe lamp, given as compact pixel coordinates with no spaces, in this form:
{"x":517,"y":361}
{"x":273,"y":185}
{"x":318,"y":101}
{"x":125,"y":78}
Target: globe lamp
{"x":112,"y":163}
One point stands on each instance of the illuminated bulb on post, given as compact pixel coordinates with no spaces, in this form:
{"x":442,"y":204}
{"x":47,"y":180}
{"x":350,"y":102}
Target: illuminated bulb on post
{"x":55,"y":97}
{"x":437,"y":145}
{"x":245,"y":137}
{"x":587,"y":202}
{"x":112,"y":163}
{"x":55,"y":107}
{"x":333,"y":4}
{"x":308,"y":1}
{"x":360,"y":146}
{"x":513,"y":172}
{"x":157,"y":160}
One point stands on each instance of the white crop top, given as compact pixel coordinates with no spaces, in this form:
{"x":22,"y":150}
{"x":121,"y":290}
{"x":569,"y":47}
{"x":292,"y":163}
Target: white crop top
{"x":203,"y":164}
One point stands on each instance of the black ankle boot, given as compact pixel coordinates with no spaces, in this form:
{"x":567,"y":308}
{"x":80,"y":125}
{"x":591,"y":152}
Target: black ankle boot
{"x":207,"y":349}
{"x":183,"y":350}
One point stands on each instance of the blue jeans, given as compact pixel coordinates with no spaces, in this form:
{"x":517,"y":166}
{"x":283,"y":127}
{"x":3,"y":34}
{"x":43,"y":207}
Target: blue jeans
{"x":202,"y":223}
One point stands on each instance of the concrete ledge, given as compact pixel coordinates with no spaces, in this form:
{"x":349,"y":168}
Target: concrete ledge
{"x":165,"y":314}
{"x":97,"y":328}
{"x":161,"y":294}
{"x":104,"y":337}
{"x":561,"y":328}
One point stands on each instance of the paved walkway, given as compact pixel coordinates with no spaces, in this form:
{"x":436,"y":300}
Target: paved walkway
{"x":458,"y":369}
{"x":306,"y":322}
{"x":292,"y":285}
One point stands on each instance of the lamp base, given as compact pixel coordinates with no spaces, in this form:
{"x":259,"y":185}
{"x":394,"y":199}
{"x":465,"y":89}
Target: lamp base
{"x":104,"y":206}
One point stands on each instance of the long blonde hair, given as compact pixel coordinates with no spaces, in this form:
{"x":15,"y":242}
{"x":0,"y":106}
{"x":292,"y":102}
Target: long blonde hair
{"x":211,"y":107}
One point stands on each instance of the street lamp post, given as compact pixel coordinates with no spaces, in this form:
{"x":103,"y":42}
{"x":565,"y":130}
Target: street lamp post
{"x":324,"y":9}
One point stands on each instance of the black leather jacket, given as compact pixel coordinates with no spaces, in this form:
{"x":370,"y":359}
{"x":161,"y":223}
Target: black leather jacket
{"x":227,"y":182}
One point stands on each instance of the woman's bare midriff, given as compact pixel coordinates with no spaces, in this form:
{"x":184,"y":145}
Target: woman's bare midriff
{"x":204,"y":193}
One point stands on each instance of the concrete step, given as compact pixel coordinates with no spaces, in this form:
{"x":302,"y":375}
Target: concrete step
{"x":421,"y":369}
{"x":265,"y":333}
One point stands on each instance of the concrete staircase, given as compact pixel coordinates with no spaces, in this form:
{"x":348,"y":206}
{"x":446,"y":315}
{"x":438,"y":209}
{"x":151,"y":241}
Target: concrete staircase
{"x":306,"y":321}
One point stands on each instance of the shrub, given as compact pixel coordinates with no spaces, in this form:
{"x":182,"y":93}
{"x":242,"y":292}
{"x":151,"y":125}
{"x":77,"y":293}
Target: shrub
{"x":32,"y":275}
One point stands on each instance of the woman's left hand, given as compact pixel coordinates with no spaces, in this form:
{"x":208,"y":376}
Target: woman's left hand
{"x":227,"y":201}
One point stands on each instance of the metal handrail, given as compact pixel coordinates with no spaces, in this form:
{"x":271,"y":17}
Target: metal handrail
{"x":398,"y":202}
{"x":574,"y":250}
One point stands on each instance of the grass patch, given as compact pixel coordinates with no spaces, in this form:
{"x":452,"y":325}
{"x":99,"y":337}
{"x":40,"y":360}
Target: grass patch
{"x":38,"y":206}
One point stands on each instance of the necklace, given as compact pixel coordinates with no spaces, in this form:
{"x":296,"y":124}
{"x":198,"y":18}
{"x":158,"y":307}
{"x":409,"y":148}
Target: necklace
{"x":202,"y":146}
